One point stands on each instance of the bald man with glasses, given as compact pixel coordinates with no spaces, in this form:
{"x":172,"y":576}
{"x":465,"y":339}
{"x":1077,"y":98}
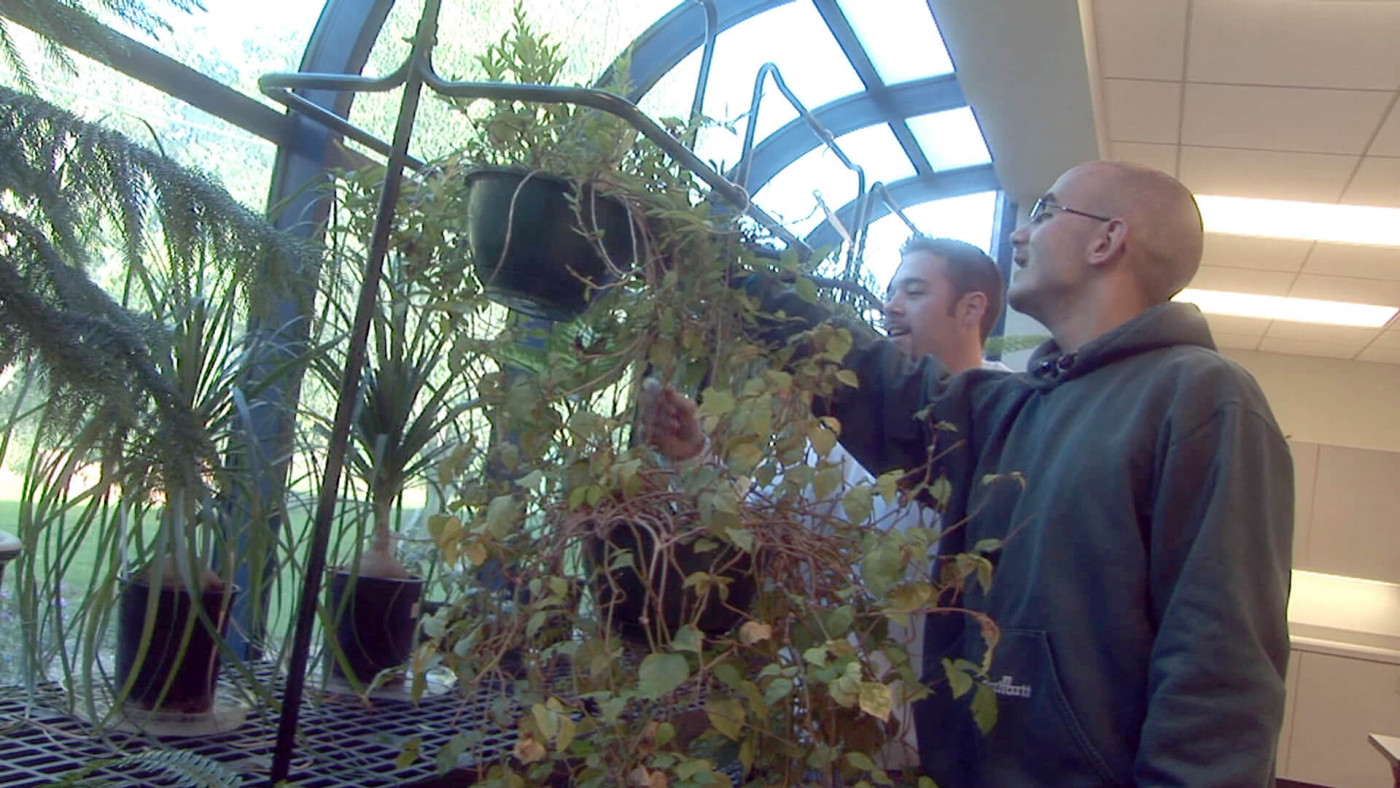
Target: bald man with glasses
{"x":1142,"y":580}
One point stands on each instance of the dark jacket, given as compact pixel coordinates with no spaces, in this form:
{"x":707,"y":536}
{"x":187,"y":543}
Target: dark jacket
{"x":1142,"y":588}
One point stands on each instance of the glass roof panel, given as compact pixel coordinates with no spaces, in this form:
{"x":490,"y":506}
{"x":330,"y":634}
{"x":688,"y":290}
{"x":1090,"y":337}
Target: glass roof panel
{"x":233,"y":41}
{"x":967,"y":218}
{"x":789,"y":195}
{"x":792,"y":36}
{"x":590,"y":34}
{"x":237,"y":159}
{"x":900,"y":37}
{"x":950,"y":139}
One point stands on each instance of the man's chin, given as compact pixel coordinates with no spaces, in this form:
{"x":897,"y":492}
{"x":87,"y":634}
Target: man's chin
{"x":902,"y":342}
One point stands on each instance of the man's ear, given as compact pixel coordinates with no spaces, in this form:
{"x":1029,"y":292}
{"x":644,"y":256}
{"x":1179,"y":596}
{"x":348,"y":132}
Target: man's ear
{"x":1109,"y":242}
{"x":971,"y":307}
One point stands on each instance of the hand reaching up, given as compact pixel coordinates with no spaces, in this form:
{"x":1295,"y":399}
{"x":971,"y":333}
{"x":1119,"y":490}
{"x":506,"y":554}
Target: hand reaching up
{"x":670,"y":421}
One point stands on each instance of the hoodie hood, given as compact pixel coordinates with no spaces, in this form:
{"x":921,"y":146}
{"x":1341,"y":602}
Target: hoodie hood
{"x":1164,"y":325}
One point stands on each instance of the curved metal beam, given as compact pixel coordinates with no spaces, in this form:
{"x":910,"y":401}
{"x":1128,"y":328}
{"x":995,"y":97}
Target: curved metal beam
{"x":908,"y":193}
{"x":667,"y":42}
{"x":340,"y":43}
{"x":844,"y":115}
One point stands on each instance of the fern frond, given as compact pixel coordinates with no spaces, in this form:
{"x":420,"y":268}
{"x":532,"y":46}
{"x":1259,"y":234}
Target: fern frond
{"x":75,"y":178}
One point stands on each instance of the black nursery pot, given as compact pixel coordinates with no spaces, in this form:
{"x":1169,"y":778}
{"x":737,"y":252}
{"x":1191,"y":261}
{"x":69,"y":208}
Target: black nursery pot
{"x":623,"y":596}
{"x":196,"y":673}
{"x":376,"y":627}
{"x":528,"y":248}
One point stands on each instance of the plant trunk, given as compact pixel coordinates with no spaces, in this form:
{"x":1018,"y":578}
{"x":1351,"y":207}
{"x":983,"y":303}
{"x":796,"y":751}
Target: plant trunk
{"x":379,"y":560}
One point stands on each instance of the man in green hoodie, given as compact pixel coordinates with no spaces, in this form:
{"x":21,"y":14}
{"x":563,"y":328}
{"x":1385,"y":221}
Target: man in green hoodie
{"x":1142,"y":584}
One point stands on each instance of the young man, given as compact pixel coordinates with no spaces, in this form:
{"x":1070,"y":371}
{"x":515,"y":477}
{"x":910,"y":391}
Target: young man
{"x":1142,"y":584}
{"x":944,"y":300}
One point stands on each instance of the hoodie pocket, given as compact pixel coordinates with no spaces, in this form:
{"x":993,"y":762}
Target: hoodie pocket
{"x":1036,"y":726}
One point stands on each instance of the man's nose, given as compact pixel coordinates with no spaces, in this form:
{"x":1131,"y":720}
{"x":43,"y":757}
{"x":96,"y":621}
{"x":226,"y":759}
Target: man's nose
{"x":1021,"y":234}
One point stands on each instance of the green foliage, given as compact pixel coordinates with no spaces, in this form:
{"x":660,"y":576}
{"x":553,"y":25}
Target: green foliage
{"x":53,"y":18}
{"x":180,"y":767}
{"x":809,"y":675}
{"x":580,"y":143}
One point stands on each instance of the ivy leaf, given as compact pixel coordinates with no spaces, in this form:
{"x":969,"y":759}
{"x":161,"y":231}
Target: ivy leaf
{"x":754,"y":632}
{"x":660,"y":674}
{"x":849,"y":378}
{"x":845,"y":690}
{"x":838,"y":347}
{"x":716,"y":402}
{"x":958,"y":679}
{"x":858,"y":503}
{"x":527,"y":750}
{"x":567,"y":731}
{"x":984,"y":708}
{"x":882,"y":567}
{"x":823,"y":440}
{"x":409,"y":753}
{"x":861,"y":761}
{"x":687,"y":638}
{"x":876,"y":700}
{"x":742,"y":538}
{"x":776,"y":690}
{"x":726,"y":715}
{"x":940,"y":491}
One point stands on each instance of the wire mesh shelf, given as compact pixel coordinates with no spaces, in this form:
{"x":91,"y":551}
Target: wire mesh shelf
{"x":343,"y":741}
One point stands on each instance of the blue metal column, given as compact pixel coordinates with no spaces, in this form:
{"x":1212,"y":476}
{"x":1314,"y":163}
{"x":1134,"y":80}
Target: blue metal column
{"x":297,"y":200}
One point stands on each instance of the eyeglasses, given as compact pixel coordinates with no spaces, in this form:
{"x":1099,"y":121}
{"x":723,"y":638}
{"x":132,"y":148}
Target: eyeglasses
{"x":1046,"y":204}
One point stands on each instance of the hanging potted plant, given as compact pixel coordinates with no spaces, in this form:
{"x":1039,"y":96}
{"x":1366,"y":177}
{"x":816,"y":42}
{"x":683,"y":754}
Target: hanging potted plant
{"x":624,"y":629}
{"x":546,"y":222}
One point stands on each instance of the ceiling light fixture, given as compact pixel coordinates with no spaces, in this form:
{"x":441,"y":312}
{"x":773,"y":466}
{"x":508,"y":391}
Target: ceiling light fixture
{"x":1307,"y":221}
{"x":1298,"y":310}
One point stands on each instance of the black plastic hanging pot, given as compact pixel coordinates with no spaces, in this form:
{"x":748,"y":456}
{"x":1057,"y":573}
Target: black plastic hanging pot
{"x":643,"y":599}
{"x":375,"y":626}
{"x":196,"y":672}
{"x":533,"y":251}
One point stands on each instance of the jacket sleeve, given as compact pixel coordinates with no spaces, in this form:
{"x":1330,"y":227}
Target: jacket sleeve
{"x":878,"y":418}
{"x":1220,"y":543}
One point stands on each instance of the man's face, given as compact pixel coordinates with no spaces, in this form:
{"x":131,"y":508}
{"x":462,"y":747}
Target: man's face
{"x":1049,"y":250}
{"x":919,"y":306}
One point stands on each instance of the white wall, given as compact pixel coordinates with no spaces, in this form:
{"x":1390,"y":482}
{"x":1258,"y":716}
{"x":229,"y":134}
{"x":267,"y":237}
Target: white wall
{"x":1330,"y":401}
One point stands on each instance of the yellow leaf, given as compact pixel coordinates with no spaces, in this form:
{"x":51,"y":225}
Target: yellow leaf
{"x":726,"y":715}
{"x":527,"y":750}
{"x":849,"y":378}
{"x":876,"y":700}
{"x":566,"y":733}
{"x":754,"y":632}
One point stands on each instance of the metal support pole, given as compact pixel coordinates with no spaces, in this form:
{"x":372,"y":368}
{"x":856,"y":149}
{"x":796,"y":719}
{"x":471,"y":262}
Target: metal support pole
{"x":345,"y":406}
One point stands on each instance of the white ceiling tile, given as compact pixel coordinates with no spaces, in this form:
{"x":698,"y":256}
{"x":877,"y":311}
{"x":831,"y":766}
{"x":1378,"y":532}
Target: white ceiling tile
{"x":1262,"y":254}
{"x":1318,"y":332}
{"x":1388,"y":340}
{"x":1377,"y":182}
{"x":1387,"y":142}
{"x":1298,"y":348}
{"x":1162,"y":157}
{"x":1363,"y":262}
{"x":1286,"y":119}
{"x":1295,"y":42}
{"x":1141,"y":111}
{"x":1242,"y":280}
{"x":1240,"y":327}
{"x":1342,"y":288}
{"x":1234,"y":341}
{"x":1380,"y":355}
{"x":1140,"y":40}
{"x":1312,"y":177}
